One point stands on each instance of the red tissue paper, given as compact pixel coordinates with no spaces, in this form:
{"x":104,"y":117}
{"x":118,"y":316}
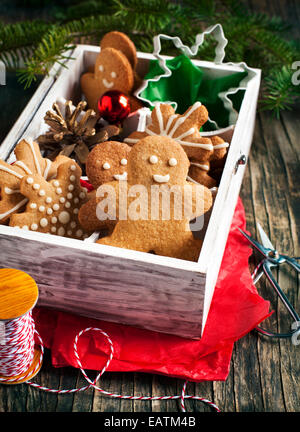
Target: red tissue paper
{"x":236,"y":309}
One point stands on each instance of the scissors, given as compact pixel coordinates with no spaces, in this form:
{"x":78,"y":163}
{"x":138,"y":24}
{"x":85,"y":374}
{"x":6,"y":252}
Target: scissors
{"x":272,"y":258}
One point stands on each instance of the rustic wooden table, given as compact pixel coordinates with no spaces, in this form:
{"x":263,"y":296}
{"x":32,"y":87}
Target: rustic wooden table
{"x":264,"y":373}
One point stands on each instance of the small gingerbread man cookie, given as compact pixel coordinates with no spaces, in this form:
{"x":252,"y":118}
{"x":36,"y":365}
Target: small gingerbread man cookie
{"x":29,"y":161}
{"x":159,"y":162}
{"x":185,"y":129}
{"x":114,"y":70}
{"x":53,"y":206}
{"x":106,"y":162}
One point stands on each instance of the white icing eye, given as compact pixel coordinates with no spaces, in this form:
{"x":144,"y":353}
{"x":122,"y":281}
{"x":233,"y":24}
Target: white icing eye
{"x":106,"y":166}
{"x":113,"y":74}
{"x":101,"y":68}
{"x":123,"y":162}
{"x":153,"y":159}
{"x":172,"y":162}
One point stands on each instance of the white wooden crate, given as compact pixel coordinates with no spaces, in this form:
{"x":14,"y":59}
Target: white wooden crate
{"x":119,"y":285}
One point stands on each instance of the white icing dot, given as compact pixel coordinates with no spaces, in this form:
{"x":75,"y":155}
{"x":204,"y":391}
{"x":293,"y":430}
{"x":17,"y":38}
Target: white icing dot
{"x":43,"y":222}
{"x":113,"y":74}
{"x":36,"y":186}
{"x":62,"y":199}
{"x":54,"y":220}
{"x":34,"y":227}
{"x":29,"y":180}
{"x":55,"y":207}
{"x":64,"y":217}
{"x":153,"y":159}
{"x":123,"y":162}
{"x":48,"y":200}
{"x":33,"y":206}
{"x":76,"y":200}
{"x":69,"y":232}
{"x":71,"y":187}
{"x":56,"y":183}
{"x":82,"y":195}
{"x":68,"y":204}
{"x":73,"y":224}
{"x":106,"y":166}
{"x":49,"y":211}
{"x":41,"y":208}
{"x":79,"y":233}
{"x":72,"y":177}
{"x":73,"y":167}
{"x":42,"y":192}
{"x":59,"y":190}
{"x":69,"y":195}
{"x":53,"y":229}
{"x":76,"y":210}
{"x":172,"y":162}
{"x":61,"y":231}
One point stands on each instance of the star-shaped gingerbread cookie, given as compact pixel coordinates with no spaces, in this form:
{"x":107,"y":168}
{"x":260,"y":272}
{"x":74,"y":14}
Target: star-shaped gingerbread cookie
{"x":53,"y":206}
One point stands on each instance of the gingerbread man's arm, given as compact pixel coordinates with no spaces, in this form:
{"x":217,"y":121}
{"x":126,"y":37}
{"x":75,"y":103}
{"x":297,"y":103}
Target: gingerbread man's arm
{"x":199,"y":200}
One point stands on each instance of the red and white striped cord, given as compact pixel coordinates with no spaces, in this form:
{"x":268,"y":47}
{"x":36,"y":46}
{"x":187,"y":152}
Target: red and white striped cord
{"x":19,"y":345}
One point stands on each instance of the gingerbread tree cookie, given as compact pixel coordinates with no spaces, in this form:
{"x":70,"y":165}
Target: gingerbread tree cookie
{"x":29,"y":161}
{"x":53,"y":206}
{"x":158,"y":163}
{"x":184,"y":129}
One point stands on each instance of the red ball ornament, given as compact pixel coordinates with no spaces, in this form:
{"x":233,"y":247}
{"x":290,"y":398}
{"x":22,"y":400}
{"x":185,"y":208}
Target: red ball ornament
{"x":114,"y":106}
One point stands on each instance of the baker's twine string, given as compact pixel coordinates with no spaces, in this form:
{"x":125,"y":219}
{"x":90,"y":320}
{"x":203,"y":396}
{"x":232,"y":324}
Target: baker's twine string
{"x":20,"y":346}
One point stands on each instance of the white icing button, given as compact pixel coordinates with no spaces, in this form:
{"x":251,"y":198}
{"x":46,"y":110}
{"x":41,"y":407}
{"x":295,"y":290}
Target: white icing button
{"x":54,"y":220}
{"x":62,"y":199}
{"x":33,"y":206}
{"x":59,"y":190}
{"x":34,"y":227}
{"x":56,"y":183}
{"x":73,"y":224}
{"x":69,"y":195}
{"x":82,"y":195}
{"x":64,"y":217}
{"x":76,"y":210}
{"x":79,"y":233}
{"x":73,"y":167}
{"x":68,"y":204}
{"x":172,"y":162}
{"x":48,"y":200}
{"x":71,"y":187}
{"x":61,"y":231}
{"x":153,"y":159}
{"x":43,"y":222}
{"x":69,"y":232}
{"x":113,"y":74}
{"x":72,"y":177}
{"x":36,"y":186}
{"x":123,"y":162}
{"x":53,"y":229}
{"x":49,"y":211}
{"x":41,"y":208}
{"x":76,"y":200}
{"x":42,"y":192}
{"x":55,"y":207}
{"x":29,"y":180}
{"x":106,"y":166}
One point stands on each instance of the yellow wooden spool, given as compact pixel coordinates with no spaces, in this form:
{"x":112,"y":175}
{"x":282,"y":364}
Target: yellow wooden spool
{"x":18,"y":295}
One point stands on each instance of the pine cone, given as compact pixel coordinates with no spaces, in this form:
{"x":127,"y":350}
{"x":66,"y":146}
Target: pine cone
{"x":74,"y":132}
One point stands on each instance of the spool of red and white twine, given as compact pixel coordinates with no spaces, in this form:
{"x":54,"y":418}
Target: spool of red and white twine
{"x":20,"y":360}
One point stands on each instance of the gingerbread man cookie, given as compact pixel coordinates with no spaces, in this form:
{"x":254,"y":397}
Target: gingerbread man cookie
{"x":29,"y":161}
{"x":53,"y":206}
{"x":106,"y":162}
{"x":184,"y":129}
{"x":114,"y":70}
{"x":158,"y":163}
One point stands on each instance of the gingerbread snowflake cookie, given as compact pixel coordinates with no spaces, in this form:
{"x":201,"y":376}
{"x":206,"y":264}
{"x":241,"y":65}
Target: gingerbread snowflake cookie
{"x":28,"y":161}
{"x":53,"y":206}
{"x":185,"y":129}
